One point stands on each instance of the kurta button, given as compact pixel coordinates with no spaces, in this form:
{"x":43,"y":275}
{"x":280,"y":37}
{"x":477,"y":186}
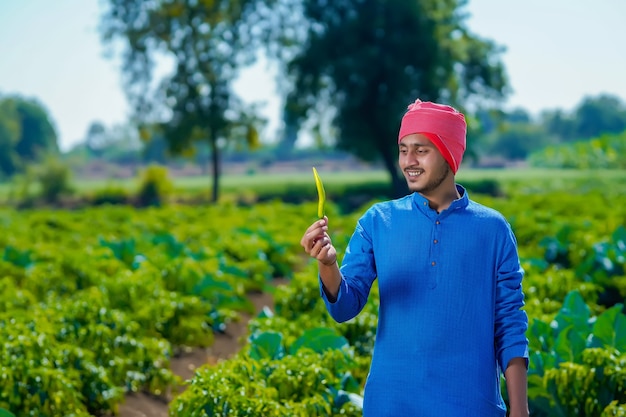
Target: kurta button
{"x":433,"y":263}
{"x":424,"y":202}
{"x":437,"y":222}
{"x":435,"y":241}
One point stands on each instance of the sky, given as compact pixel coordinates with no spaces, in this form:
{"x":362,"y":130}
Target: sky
{"x":556,"y":53}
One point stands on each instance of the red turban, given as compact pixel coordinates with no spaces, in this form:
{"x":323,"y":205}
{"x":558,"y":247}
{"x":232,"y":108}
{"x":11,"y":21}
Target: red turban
{"x":443,"y":125}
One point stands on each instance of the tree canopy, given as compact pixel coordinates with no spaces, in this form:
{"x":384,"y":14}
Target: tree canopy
{"x":366,"y":60}
{"x":207,"y":42}
{"x":360,"y":61}
{"x":350,"y":66}
{"x":26,"y":133}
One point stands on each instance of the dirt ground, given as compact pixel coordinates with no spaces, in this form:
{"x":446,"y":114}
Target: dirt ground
{"x":224,"y":347}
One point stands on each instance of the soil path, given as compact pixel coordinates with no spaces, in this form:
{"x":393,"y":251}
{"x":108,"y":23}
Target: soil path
{"x":224,"y":347}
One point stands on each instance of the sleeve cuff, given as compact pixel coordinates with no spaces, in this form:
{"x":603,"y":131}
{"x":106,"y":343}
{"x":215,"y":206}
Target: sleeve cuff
{"x":325,"y":296}
{"x":515,"y":351}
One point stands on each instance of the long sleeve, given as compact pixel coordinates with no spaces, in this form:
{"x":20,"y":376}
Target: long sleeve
{"x":358,"y":273}
{"x":511,"y":322}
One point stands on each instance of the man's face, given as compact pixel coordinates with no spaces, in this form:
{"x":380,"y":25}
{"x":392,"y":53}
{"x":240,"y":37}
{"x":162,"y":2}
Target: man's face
{"x":423,"y":166}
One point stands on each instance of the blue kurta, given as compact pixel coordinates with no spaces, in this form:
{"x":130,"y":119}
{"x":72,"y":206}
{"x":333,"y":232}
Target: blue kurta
{"x":450,"y":299}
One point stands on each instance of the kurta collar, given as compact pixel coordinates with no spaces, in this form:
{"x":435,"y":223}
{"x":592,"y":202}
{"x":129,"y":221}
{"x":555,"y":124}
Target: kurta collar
{"x":422,"y":203}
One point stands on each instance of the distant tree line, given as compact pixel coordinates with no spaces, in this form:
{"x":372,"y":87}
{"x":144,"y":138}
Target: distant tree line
{"x":515,"y":135}
{"x":348,"y":69}
{"x":494,"y":134}
{"x":589,"y":136}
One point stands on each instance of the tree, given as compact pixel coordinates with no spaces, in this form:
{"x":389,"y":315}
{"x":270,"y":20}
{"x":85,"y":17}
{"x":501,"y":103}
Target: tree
{"x":602,"y":114}
{"x":559,"y":124}
{"x":10,"y":131}
{"x":593,"y":117}
{"x":26,"y":133}
{"x":38,"y":135}
{"x":95,"y":139}
{"x":366,"y":60}
{"x":207,"y":41}
{"x":120,"y":144}
{"x":517,"y":140}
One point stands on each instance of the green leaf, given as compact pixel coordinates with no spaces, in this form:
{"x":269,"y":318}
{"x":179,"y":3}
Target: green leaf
{"x":232,"y":271}
{"x":574,"y":312}
{"x":541,"y":402}
{"x":609,"y":330}
{"x":619,"y":238}
{"x":342,"y":397}
{"x":266,"y":345}
{"x":173,"y":248}
{"x":570,"y":344}
{"x":319,"y":340}
{"x":540,"y":362}
{"x":17,"y":257}
{"x":265,"y":313}
{"x":349,"y":383}
{"x":208,"y":285}
{"x":539,"y":336}
{"x":5,"y":413}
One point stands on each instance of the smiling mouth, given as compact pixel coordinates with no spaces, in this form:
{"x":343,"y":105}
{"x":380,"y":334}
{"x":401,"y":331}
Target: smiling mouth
{"x":413,"y":173}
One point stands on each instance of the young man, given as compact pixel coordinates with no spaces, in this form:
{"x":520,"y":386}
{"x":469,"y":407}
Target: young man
{"x":449,"y":277}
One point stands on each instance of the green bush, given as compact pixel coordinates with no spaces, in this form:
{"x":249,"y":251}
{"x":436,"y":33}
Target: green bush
{"x":577,"y":362}
{"x":301,"y":385}
{"x":46,"y":182}
{"x":111,"y":194}
{"x":590,"y":387}
{"x":155,"y":186}
{"x":54,"y":179}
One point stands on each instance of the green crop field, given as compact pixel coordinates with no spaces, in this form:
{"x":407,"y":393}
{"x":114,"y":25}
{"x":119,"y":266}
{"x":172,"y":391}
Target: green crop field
{"x":95,"y":302}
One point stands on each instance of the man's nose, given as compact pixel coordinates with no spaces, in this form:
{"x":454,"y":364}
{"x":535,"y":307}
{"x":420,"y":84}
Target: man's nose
{"x":412,"y":158}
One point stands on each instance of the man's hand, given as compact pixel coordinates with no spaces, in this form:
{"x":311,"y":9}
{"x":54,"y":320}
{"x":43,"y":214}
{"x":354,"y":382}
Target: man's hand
{"x":316,"y":242}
